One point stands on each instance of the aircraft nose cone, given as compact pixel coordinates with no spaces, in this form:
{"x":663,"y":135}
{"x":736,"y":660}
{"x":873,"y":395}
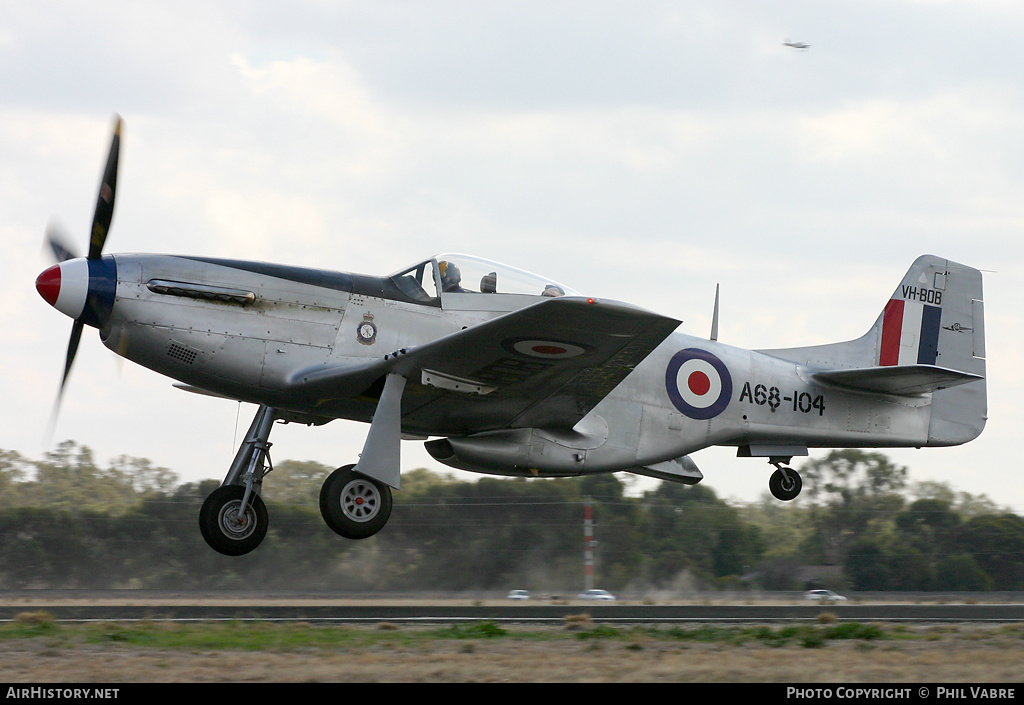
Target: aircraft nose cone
{"x":48,"y":284}
{"x":65,"y":286}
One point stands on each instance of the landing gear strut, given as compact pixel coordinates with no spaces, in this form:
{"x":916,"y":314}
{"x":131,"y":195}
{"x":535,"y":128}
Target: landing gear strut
{"x":785,"y":482}
{"x":355,"y":500}
{"x":233,"y":519}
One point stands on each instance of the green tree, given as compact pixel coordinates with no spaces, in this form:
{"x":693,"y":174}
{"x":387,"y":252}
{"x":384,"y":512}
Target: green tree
{"x":489,"y":534}
{"x":849,"y":490}
{"x":786,"y":523}
{"x":960,"y":573}
{"x":996,"y":543}
{"x":867,"y":566}
{"x":844,"y":476}
{"x":67,"y":522}
{"x":690,"y":529}
{"x":14,"y":470}
{"x":142,"y":475}
{"x":965,"y":504}
{"x":296,"y":482}
{"x":69,"y":479}
{"x":928,"y":525}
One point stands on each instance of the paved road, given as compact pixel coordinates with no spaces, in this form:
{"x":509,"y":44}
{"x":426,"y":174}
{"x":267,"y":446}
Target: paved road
{"x":441,"y":613}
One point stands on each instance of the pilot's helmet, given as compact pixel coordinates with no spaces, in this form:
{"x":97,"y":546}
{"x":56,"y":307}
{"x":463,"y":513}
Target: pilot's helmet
{"x":553,"y":290}
{"x":450,"y":274}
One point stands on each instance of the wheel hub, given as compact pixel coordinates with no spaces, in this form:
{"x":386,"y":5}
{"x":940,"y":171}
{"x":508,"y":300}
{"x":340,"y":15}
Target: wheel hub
{"x":235,"y":524}
{"x":360,"y":500}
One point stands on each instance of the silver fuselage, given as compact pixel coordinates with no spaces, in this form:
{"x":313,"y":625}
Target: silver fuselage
{"x":245,"y":330}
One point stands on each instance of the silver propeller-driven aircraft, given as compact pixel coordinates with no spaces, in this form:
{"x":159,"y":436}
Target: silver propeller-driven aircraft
{"x":504,"y":372}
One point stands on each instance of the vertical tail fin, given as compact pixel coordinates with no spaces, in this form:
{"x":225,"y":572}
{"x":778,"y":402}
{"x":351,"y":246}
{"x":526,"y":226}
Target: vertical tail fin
{"x":935,"y":317}
{"x":929,"y":338}
{"x":942,"y":323}
{"x":932,"y":334}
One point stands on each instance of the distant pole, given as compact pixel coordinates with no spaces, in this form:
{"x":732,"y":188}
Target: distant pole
{"x":588,"y":545}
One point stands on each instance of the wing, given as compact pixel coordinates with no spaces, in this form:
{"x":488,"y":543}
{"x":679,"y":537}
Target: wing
{"x":546,"y":365}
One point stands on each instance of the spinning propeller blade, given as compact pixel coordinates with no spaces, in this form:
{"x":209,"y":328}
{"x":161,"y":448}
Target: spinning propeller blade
{"x":76,"y":337}
{"x":102,"y":218}
{"x":105,"y":201}
{"x":57,"y":243}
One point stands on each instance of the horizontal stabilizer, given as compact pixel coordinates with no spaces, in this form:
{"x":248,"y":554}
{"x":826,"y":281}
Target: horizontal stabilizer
{"x":901,"y":380}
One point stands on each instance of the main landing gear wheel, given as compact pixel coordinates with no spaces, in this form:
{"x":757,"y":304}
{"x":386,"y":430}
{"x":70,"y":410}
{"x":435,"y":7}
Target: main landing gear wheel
{"x":353,"y":505}
{"x":785,"y":485}
{"x":226,"y":528}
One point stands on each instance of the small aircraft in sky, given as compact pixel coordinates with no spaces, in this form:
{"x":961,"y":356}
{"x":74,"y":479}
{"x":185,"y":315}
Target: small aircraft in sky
{"x":505,"y":372}
{"x":796,"y":45}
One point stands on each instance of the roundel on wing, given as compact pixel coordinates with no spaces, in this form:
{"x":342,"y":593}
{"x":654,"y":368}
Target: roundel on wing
{"x":543,"y":348}
{"x":698,"y":383}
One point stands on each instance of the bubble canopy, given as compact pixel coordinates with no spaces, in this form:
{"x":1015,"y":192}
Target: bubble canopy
{"x":452,"y":273}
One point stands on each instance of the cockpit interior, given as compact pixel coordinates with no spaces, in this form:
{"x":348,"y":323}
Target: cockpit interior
{"x":465,"y":274}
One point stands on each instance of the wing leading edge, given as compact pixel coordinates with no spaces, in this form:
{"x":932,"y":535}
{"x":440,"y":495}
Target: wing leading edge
{"x":543,"y":366}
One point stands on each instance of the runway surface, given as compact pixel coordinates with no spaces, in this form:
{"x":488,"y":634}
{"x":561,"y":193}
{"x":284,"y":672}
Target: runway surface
{"x":154,"y":606}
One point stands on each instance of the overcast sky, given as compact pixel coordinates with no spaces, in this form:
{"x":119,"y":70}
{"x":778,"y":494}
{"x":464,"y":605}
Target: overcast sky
{"x":642,"y":151}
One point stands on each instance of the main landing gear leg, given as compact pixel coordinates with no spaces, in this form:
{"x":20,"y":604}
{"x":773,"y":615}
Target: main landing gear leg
{"x":355,"y":500}
{"x":233,"y":519}
{"x":785,"y":482}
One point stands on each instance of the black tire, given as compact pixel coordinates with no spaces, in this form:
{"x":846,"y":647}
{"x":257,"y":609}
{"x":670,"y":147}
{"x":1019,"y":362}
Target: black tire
{"x":354,"y":505}
{"x":785,"y":487}
{"x":220,"y":528}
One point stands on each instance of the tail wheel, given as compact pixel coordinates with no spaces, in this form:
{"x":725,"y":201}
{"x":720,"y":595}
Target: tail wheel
{"x":785,"y":485}
{"x":353,"y":505}
{"x":229,"y":529}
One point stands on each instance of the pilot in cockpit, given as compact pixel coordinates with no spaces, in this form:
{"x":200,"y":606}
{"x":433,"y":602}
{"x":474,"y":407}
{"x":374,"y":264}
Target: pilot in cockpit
{"x":451,"y":278}
{"x":553,"y":290}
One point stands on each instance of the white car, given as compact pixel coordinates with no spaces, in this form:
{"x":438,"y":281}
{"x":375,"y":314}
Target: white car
{"x":823,"y":596}
{"x":596,"y":595}
{"x":518,"y":595}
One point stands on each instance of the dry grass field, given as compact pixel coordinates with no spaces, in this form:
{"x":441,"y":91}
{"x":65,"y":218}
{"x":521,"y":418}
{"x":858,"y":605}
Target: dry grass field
{"x":570,"y":653}
{"x":986,"y":660}
{"x":36,"y":649}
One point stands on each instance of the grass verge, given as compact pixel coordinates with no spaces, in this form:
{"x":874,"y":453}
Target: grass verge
{"x":291,"y":636}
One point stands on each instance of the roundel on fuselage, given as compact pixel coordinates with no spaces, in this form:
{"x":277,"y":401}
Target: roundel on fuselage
{"x":698,"y":383}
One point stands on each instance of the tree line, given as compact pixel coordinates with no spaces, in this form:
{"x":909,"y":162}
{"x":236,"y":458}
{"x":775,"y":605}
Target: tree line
{"x":66,"y":522}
